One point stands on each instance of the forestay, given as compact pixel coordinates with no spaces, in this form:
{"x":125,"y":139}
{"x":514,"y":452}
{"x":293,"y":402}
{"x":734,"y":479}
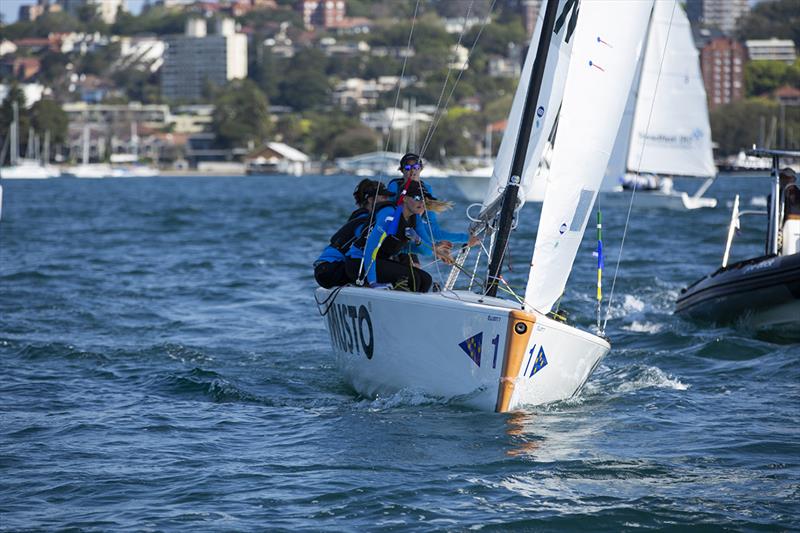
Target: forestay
{"x":552,"y":88}
{"x":601,"y":71}
{"x":671,"y":132}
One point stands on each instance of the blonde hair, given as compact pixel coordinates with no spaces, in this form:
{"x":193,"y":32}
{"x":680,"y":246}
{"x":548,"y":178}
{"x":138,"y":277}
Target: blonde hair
{"x":437,"y":206}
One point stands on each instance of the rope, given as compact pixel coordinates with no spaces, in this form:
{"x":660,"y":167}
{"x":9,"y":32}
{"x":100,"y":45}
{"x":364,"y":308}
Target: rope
{"x":360,"y":280}
{"x":638,"y":170}
{"x":439,"y":113}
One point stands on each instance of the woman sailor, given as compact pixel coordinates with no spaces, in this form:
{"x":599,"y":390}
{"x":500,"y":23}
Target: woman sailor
{"x":329,"y":268}
{"x":428,"y":224}
{"x":372,"y":255}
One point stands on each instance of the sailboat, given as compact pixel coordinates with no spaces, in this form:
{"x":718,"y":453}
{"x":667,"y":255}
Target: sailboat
{"x":760,"y":292}
{"x":21,"y":167}
{"x":475,"y":348}
{"x":665,"y":131}
{"x":87,"y":169}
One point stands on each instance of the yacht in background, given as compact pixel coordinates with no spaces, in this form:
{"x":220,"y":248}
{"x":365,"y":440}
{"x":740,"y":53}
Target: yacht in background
{"x":20,"y":167}
{"x":665,"y":131}
{"x":86,"y":169}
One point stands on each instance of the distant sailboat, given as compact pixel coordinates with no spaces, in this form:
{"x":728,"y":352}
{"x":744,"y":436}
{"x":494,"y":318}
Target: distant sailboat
{"x":665,"y":131}
{"x":21,"y":167}
{"x":87,"y":169}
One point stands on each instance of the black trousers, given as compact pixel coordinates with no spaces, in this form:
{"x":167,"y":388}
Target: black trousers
{"x":330,"y":275}
{"x":389,"y":271}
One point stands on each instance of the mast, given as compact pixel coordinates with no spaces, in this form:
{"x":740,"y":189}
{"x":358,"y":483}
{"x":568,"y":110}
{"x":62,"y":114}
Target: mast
{"x":15,"y":135}
{"x":518,"y":163}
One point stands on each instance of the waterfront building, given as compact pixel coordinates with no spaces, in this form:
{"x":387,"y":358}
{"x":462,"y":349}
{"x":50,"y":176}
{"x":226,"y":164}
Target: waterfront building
{"x":322,"y":13}
{"x":722,"y":62}
{"x":771,"y":50}
{"x":196,"y":59}
{"x":722,"y":14}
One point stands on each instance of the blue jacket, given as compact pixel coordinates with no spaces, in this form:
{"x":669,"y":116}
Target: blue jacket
{"x":428,"y":223}
{"x":386,"y":239}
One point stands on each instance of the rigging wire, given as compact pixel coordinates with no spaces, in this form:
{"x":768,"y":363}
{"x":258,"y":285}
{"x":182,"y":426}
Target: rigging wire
{"x":439,"y":114}
{"x":360,"y":279}
{"x":638,"y":165}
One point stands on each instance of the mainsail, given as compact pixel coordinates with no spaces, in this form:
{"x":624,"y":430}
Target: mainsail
{"x":549,"y":99}
{"x":671,"y":133}
{"x":601,"y":72}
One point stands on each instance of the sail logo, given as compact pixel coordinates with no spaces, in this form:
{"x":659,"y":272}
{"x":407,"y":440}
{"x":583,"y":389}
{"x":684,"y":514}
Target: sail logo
{"x":472,"y":347}
{"x":351,"y":329}
{"x":678,"y":141}
{"x":538,"y":363}
{"x":570,"y":9}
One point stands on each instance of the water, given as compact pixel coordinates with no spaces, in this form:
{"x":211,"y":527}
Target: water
{"x":164,"y":368}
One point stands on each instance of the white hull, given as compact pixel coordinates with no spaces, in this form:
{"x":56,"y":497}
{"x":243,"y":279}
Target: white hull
{"x":136,"y":171}
{"x":387,"y":341}
{"x":660,"y":200}
{"x":25,"y":170}
{"x":89,"y":171}
{"x":473,"y":186}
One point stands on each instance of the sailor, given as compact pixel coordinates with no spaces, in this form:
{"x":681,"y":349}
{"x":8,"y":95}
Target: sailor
{"x":371,"y":254}
{"x":428,"y":224}
{"x":329,"y":268}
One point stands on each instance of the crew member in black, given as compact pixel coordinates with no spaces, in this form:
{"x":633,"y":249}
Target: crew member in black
{"x":329,"y":268}
{"x":393,"y":229}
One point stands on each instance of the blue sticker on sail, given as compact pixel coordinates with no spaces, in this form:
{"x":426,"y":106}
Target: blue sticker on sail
{"x":540,"y":363}
{"x":472,"y":347}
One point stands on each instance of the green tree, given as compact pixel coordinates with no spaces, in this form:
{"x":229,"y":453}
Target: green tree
{"x":47,"y":115}
{"x":305,"y":85}
{"x":736,"y":126}
{"x":775,"y":18}
{"x":352,"y":141}
{"x":241,"y":115}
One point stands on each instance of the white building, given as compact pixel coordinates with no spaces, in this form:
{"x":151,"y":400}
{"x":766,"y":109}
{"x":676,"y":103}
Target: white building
{"x":33,"y":92}
{"x":107,"y":9}
{"x":196,"y":59}
{"x":771,"y":50}
{"x":147,"y":52}
{"x":722,"y":14}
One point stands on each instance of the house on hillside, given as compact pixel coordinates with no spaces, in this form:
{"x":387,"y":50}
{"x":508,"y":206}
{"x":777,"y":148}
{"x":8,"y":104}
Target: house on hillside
{"x":276,"y":158}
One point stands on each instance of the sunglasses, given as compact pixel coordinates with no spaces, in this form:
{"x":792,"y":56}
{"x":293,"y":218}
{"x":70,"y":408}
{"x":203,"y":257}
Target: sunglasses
{"x":415,"y":166}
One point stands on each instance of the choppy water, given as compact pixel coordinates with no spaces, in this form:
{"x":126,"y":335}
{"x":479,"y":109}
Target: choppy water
{"x":163,"y":367}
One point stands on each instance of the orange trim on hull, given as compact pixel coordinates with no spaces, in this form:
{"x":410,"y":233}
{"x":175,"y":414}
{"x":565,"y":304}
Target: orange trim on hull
{"x":520,"y":326}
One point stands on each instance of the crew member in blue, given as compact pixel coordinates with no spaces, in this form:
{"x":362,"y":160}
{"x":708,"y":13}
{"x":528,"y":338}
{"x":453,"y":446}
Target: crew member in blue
{"x":428,"y":224}
{"x":329,"y":268}
{"x":393,"y":229}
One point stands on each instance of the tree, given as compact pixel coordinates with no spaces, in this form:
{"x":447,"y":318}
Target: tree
{"x":241,"y":115}
{"x":763,"y":77}
{"x":305,"y":85}
{"x":47,"y":115}
{"x":777,"y":18}
{"x":355,"y":140}
{"x":736,"y":126}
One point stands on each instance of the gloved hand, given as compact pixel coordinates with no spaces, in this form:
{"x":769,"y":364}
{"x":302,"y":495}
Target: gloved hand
{"x":413,"y":236}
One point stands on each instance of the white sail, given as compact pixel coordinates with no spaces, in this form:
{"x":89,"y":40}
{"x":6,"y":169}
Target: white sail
{"x":602,"y":69}
{"x":671,"y":135}
{"x":547,"y":105}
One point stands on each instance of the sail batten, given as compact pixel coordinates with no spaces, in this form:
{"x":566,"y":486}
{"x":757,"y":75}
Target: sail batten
{"x":601,"y":71}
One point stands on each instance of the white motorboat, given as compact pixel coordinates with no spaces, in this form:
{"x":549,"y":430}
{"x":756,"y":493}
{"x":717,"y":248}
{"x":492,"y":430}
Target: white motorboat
{"x":492,"y":353}
{"x":20,"y":167}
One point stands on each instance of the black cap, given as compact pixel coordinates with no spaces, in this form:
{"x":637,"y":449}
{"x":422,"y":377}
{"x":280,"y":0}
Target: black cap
{"x":410,"y":156}
{"x":416,"y":191}
{"x":788,"y":174}
{"x":379,"y":189}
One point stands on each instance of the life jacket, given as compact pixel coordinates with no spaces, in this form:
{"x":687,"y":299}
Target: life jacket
{"x":393,"y":244}
{"x":346,"y":235}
